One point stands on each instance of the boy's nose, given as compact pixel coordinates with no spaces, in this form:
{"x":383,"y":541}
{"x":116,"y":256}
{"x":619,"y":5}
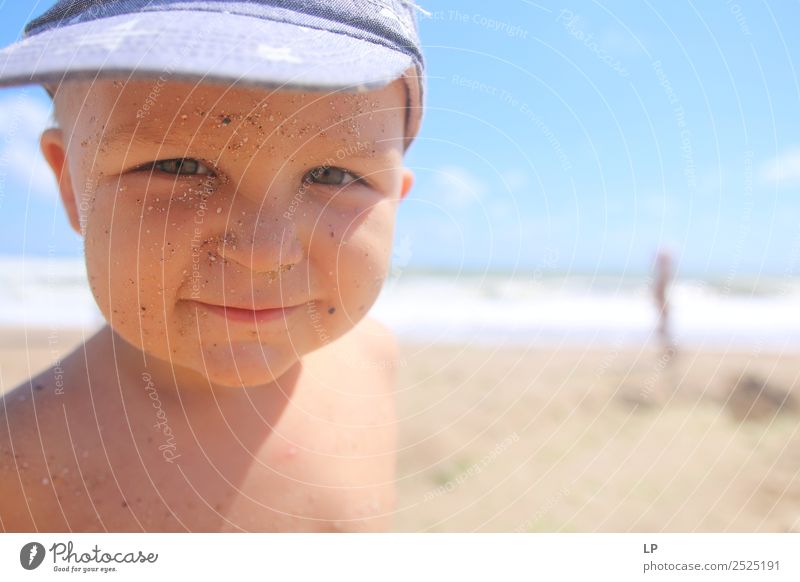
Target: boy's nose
{"x":264,"y":246}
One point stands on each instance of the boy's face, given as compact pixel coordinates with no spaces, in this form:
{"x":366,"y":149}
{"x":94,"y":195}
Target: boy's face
{"x":195,"y":195}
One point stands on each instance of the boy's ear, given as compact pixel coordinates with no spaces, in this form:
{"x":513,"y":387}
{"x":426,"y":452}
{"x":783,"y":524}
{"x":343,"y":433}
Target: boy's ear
{"x":408,"y":182}
{"x":52,"y":146}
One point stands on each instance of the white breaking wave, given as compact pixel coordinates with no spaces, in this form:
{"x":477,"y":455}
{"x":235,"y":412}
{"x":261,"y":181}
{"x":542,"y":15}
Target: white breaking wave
{"x":46,"y":292}
{"x":499,"y":309}
{"x":54,"y":292}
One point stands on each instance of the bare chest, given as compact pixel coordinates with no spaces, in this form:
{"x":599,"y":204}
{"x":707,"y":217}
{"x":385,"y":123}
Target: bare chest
{"x":324,"y":463}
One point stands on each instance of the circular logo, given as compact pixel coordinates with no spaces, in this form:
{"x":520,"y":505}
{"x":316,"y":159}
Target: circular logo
{"x":31,"y":555}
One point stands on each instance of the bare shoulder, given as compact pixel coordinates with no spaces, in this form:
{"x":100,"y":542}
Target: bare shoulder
{"x":48,"y":428}
{"x":32,"y":434}
{"x":354,"y":392}
{"x":365,"y":358}
{"x":377,"y":343}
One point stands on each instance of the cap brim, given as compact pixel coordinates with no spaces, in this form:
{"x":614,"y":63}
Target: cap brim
{"x":203,"y":46}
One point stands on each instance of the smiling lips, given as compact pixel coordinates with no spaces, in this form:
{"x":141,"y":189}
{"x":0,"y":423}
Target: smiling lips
{"x":249,"y":315}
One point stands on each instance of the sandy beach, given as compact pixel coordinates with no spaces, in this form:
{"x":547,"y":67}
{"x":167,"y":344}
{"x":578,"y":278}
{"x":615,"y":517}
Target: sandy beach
{"x":591,"y":439}
{"x":573,"y":439}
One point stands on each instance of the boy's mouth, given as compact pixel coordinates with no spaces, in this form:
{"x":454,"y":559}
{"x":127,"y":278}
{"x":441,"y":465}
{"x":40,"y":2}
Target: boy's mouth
{"x":247,"y":315}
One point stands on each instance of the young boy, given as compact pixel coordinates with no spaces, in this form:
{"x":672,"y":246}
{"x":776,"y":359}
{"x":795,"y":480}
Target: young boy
{"x":234,"y":170}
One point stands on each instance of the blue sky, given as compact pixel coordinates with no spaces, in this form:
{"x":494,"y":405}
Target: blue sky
{"x":580,"y":136}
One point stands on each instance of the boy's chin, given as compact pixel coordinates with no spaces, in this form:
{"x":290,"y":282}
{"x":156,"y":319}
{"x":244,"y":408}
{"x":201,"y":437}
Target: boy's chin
{"x":246,"y":378}
{"x":247,"y":370}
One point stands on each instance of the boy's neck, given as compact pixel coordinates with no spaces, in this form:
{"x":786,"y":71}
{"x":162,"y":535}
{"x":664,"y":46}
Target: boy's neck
{"x":186,"y":385}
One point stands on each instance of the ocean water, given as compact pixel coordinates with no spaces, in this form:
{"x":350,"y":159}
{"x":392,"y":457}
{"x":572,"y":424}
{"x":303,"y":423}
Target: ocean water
{"x":518,"y":308}
{"x":582,"y":308}
{"x":46,"y":292}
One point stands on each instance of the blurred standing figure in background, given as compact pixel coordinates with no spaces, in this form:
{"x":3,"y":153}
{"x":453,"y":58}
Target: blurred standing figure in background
{"x":661,"y":282}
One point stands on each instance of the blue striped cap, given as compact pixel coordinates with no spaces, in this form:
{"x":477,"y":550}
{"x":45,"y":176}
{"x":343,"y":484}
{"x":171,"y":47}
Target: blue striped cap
{"x":306,"y":45}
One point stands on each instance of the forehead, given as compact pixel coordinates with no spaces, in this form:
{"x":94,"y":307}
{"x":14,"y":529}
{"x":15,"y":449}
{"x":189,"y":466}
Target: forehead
{"x":157,"y":110}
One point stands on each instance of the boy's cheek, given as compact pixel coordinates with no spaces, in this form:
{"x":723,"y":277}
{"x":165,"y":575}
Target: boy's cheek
{"x":132,"y":260}
{"x":362,"y":265}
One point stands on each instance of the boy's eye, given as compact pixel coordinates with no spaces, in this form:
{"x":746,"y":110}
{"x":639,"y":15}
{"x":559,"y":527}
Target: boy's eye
{"x":330,"y":176}
{"x":182,"y":167}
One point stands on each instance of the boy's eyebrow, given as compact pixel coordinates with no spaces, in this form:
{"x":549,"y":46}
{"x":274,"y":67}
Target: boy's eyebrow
{"x":151,"y":133}
{"x":143,"y":133}
{"x":138,"y":132}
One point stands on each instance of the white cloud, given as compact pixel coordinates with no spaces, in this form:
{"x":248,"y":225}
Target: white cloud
{"x":458,"y":187}
{"x":620,"y":43}
{"x":783,"y":170}
{"x":22,"y":166}
{"x":515,"y":180}
{"x":501,"y":211}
